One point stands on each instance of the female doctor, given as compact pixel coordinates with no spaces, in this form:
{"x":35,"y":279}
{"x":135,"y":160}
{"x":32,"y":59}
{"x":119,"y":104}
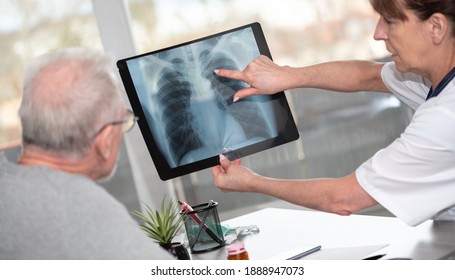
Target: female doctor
{"x":414,"y":177}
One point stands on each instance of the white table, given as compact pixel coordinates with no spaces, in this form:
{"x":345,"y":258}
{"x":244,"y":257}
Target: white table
{"x":341,"y":237}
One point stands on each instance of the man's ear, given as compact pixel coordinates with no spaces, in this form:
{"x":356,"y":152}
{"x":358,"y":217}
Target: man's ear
{"x":439,"y":27}
{"x":104,"y":142}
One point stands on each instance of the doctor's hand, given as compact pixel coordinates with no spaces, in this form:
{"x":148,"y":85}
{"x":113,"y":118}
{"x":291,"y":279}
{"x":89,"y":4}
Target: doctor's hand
{"x":263,"y":76}
{"x":231,"y":176}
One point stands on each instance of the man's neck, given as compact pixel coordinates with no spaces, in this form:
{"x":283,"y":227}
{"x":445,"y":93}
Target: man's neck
{"x":36,"y":157}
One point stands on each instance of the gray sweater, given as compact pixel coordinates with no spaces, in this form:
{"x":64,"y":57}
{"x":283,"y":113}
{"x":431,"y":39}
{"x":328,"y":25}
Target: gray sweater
{"x":48,"y":214}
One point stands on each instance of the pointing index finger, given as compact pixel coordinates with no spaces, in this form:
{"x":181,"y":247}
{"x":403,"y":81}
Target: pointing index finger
{"x":231,"y":74}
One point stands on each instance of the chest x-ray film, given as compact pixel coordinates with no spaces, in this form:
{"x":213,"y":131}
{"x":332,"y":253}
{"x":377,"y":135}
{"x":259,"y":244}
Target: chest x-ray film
{"x":186,"y":114}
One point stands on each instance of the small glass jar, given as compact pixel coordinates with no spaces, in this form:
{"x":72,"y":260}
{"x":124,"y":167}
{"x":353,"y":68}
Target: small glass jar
{"x":237,"y":251}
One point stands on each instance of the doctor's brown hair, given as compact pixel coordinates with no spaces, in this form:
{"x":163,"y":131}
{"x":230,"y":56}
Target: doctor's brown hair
{"x":394,"y":9}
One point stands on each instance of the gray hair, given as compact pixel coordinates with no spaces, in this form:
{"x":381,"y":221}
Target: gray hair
{"x":68,"y":95}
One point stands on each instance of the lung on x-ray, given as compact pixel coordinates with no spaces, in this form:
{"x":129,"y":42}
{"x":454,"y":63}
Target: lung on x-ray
{"x":186,"y":114}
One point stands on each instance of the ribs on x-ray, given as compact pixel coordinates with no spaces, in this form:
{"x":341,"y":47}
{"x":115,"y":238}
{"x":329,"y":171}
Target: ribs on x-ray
{"x":194,"y":106}
{"x":175,"y":100}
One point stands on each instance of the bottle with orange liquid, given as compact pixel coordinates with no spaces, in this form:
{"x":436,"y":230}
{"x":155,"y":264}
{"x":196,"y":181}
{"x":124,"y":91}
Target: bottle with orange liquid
{"x":237,"y":251}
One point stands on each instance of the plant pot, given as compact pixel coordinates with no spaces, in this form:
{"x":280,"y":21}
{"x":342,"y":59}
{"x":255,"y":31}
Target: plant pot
{"x":177,"y":249}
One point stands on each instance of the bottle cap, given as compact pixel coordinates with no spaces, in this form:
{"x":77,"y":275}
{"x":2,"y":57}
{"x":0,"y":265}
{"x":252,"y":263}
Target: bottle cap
{"x":236,"y":248}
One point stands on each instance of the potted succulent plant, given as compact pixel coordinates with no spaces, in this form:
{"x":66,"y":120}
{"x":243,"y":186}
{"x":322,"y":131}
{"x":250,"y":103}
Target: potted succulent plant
{"x":163,"y":225}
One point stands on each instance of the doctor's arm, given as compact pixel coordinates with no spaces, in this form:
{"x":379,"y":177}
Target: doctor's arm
{"x":342,"y":196}
{"x":266,"y":77}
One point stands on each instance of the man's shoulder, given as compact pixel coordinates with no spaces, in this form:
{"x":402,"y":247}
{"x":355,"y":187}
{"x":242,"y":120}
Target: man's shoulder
{"x":45,"y":185}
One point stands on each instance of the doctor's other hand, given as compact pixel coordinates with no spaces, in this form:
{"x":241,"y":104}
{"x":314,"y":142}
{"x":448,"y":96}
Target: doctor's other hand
{"x":263,"y":76}
{"x":231,"y":176}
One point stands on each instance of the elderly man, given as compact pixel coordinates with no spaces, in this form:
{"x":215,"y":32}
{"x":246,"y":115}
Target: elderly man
{"x":73,"y":117}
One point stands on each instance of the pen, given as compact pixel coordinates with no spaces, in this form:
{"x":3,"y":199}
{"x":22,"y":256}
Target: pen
{"x":375,"y":257}
{"x":187,"y":208}
{"x":300,"y":255}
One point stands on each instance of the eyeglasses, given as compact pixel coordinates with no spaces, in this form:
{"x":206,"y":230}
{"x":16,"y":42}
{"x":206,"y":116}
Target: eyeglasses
{"x":127,"y":123}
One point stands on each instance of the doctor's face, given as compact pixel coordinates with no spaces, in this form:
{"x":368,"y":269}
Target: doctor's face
{"x":407,"y":40}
